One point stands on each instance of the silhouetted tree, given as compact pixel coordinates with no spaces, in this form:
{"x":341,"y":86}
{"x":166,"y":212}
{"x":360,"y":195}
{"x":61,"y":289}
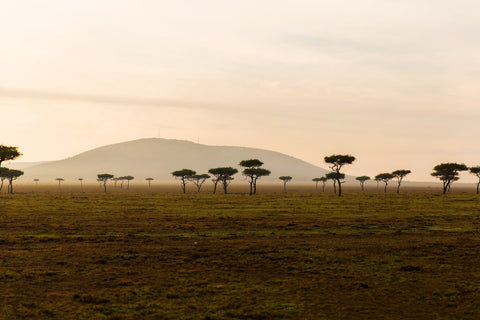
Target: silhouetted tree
{"x":60,"y":180}
{"x":476,"y":172}
{"x":104,"y":177}
{"x":8,"y":153}
{"x":3,"y":176}
{"x":149,"y":182}
{"x":128,"y":178}
{"x":183,"y":175}
{"x":285,"y":179}
{"x":198,"y":180}
{"x":12,"y":175}
{"x":81,"y":183}
{"x":362,"y":180}
{"x":399,"y":175}
{"x":447,"y":173}
{"x":253,"y":172}
{"x":384,"y":177}
{"x":337,"y":161}
{"x":223,"y":175}
{"x":35,"y":180}
{"x":316,"y":180}
{"x":324,"y":182}
{"x":334,"y":177}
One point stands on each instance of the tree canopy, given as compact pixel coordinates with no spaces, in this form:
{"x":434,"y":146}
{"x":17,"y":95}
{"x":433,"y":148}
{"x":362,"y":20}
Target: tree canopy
{"x":10,"y":175}
{"x":399,"y":175}
{"x":448,"y":172}
{"x":253,"y":172}
{"x":8,"y":153}
{"x":384,"y":177}
{"x":183,"y":175}
{"x":285,"y":179}
{"x":198,"y":180}
{"x":337,"y":161}
{"x":104,"y":177}
{"x":362,"y":180}
{"x":476,"y":171}
{"x":223,"y":175}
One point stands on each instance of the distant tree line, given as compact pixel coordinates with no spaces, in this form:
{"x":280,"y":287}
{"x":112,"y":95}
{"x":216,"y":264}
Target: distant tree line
{"x":253,"y":171}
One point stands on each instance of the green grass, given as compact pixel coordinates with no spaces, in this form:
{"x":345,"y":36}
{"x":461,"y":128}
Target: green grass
{"x":198,"y":256}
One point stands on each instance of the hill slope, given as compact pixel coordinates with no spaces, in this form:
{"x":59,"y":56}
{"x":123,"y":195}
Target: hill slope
{"x":157,"y":158}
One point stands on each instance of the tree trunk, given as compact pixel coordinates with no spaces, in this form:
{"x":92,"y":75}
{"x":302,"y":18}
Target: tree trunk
{"x":478,"y":185}
{"x":105,"y":185}
{"x":323,"y":187}
{"x":251,"y":186}
{"x":335,"y":186}
{"x":225,"y":185}
{"x":285,"y":187}
{"x":215,"y":186}
{"x":361,"y":185}
{"x":386,"y":184}
{"x":316,"y":185}
{"x":255,"y":186}
{"x":398,"y":187}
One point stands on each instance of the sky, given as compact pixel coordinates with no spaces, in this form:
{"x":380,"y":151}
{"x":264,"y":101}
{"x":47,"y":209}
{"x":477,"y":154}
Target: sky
{"x":394,"y":83}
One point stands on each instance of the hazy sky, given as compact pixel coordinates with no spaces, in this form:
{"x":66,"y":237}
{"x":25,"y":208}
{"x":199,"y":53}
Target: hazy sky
{"x":394,"y":83}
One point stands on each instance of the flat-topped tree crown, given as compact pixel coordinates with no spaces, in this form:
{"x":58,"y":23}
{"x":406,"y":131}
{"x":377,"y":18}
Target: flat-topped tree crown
{"x":476,"y":172}
{"x":253,"y":172}
{"x":223,"y":175}
{"x":448,"y":172}
{"x":104,"y":177}
{"x":362,"y":180}
{"x":8,"y":153}
{"x":252,"y":163}
{"x":400,"y":174}
{"x":11,"y":175}
{"x":285,"y":179}
{"x":183,"y":175}
{"x":385,"y":177}
{"x":337,"y":161}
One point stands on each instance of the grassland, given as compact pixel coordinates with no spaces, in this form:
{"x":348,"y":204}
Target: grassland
{"x":270,"y":256}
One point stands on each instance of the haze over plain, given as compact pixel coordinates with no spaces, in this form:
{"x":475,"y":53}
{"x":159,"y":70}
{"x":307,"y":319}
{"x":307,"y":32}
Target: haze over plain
{"x":393,"y":83}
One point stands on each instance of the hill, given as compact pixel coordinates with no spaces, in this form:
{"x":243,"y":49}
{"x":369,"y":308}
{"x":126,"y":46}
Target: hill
{"x":157,"y":158}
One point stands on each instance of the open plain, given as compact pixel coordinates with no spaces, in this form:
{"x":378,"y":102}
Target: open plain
{"x":149,"y":255}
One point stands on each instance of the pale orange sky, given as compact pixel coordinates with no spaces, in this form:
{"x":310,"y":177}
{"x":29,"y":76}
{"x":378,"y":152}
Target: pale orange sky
{"x":393,"y":83}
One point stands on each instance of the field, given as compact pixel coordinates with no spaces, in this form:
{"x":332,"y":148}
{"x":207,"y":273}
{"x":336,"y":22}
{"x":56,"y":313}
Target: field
{"x":272,"y":256}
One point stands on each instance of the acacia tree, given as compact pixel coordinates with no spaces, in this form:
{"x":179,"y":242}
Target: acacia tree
{"x":333,"y":176}
{"x":223,"y":175}
{"x":476,"y":172}
{"x":3,"y":176}
{"x":399,"y":175}
{"x":362,"y":180}
{"x":448,"y":172}
{"x":316,"y":180}
{"x":149,"y":180}
{"x":384,"y":177}
{"x":34,"y":180}
{"x":183,"y":175}
{"x":337,"y":161}
{"x":81,"y":183}
{"x":253,"y":172}
{"x":198,"y":180}
{"x":60,"y":180}
{"x":285,"y":179}
{"x":128,"y":178}
{"x":104,"y":177}
{"x":8,"y":153}
{"x":12,"y":175}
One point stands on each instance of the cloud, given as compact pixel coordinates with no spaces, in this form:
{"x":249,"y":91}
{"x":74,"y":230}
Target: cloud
{"x":129,"y":101}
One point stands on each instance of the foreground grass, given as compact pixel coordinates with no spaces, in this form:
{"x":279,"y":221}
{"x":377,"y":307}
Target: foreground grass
{"x":302,"y":256}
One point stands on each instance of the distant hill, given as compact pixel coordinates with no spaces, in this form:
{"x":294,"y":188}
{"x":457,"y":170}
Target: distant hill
{"x":157,"y":158}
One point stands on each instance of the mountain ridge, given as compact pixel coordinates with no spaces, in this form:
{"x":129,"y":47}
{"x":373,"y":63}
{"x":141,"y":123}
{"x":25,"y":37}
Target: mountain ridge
{"x":158,"y":157}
